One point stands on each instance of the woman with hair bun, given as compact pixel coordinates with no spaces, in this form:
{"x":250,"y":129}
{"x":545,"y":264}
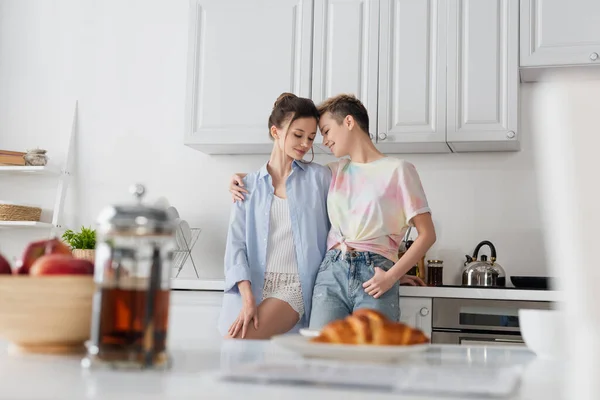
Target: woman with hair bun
{"x":277,"y":237}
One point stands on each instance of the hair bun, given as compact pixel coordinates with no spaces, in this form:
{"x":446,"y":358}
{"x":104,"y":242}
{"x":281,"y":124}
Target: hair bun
{"x":282,"y":97}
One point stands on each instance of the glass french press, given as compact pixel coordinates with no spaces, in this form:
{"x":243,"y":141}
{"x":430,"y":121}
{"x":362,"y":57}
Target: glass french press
{"x":134,"y":253}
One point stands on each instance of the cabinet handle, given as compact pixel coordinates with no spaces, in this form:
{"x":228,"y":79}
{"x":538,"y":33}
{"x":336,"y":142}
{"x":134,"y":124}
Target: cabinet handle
{"x":510,"y":134}
{"x":382,"y":136}
{"x":424,"y":311}
{"x":594,"y":56}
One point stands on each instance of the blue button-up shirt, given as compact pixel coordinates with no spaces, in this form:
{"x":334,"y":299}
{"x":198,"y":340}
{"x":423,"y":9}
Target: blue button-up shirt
{"x":246,"y":251}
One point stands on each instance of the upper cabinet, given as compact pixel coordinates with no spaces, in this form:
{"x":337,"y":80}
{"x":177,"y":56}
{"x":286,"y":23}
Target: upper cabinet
{"x":559,"y":33}
{"x":412,"y":76}
{"x":434,"y":75}
{"x":346,"y":52}
{"x":391,"y":54}
{"x":241,"y":57}
{"x":483,"y":80}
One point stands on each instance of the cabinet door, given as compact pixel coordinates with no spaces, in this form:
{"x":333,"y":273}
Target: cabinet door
{"x":483,"y":75}
{"x":412,"y":76}
{"x":559,"y":32}
{"x":416,"y":312}
{"x":193,"y":318}
{"x":346,"y":53}
{"x":242,"y":55}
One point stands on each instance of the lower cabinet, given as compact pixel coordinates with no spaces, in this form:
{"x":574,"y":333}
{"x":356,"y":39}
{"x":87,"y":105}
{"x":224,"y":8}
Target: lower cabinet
{"x":193,"y":317}
{"x":416,"y":312}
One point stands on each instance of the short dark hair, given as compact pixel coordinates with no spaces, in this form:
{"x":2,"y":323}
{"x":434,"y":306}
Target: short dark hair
{"x":346,"y":104}
{"x":290,"y":107}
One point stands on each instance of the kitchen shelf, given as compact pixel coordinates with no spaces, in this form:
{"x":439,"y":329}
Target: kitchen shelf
{"x":26,"y":169}
{"x":63,"y":177}
{"x":25,"y":224}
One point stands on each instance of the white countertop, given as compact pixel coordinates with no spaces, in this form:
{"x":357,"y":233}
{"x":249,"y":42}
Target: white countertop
{"x":481,"y":293}
{"x":196,"y":366}
{"x":197,"y":284}
{"x":412,"y":291}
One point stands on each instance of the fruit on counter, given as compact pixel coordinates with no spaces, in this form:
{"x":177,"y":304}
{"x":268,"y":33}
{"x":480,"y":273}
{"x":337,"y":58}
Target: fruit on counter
{"x":4,"y":266}
{"x":35,"y":250}
{"x":61,"y":264}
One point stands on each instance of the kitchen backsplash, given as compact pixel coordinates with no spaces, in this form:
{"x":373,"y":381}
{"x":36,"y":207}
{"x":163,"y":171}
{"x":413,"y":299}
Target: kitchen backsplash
{"x":130,"y":129}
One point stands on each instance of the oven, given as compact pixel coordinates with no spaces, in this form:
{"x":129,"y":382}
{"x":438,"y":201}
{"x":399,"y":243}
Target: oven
{"x":479,"y":321}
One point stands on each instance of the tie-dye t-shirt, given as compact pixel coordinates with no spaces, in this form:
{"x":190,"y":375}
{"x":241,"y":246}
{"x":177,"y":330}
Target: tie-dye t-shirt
{"x":371,"y":205}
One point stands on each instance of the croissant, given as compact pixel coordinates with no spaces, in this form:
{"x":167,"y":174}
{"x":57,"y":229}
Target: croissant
{"x":370,"y":327}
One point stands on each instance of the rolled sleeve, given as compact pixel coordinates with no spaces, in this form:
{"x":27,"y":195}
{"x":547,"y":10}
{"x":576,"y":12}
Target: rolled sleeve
{"x":236,"y":255}
{"x":412,"y":195}
{"x":235,"y":274}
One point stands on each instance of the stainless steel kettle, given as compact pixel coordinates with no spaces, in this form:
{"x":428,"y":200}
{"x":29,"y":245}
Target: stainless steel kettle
{"x":483,"y":273}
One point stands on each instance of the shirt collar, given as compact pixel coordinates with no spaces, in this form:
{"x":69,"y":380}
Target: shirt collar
{"x":295,"y":164}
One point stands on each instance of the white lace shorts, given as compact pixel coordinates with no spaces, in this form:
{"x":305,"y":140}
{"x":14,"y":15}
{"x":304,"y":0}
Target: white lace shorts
{"x":285,"y":287}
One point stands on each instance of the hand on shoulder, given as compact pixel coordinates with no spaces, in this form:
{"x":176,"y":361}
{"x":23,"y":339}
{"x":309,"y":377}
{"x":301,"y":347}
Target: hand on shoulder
{"x":236,"y":187}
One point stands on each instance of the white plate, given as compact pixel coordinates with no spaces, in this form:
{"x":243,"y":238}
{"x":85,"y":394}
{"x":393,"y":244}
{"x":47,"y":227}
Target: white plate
{"x":183,"y":234}
{"x":179,"y":235}
{"x":185,"y":230}
{"x":172,"y":212}
{"x":310,"y":333}
{"x":162,"y":202}
{"x":347,"y":352}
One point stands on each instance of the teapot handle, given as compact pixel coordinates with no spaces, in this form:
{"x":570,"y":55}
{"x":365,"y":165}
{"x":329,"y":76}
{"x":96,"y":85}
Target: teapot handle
{"x":492,"y":249}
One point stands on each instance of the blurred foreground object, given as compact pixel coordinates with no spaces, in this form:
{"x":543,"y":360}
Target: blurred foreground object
{"x":565,"y":122}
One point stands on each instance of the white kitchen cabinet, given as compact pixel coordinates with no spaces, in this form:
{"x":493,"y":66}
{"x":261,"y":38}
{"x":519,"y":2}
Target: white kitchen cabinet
{"x":560,"y":33}
{"x":193,"y":317}
{"x":435,"y":75}
{"x":412,"y":76}
{"x":242,"y":55}
{"x":483,"y":75}
{"x":346,"y":52}
{"x":417,"y":312}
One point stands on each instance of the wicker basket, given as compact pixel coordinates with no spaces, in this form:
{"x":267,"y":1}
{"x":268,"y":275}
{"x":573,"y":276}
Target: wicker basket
{"x":13,"y":212}
{"x":89,"y":255}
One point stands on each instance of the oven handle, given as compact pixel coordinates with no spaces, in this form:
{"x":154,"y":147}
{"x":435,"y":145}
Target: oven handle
{"x":454,"y":336}
{"x":467,"y":331}
{"x":508,"y":340}
{"x":452,"y":330}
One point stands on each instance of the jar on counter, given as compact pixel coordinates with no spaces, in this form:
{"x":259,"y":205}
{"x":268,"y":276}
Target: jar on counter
{"x":435,"y":272}
{"x":133,"y":264}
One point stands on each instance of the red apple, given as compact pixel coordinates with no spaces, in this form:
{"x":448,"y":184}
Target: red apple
{"x":4,"y":266}
{"x":35,"y":250}
{"x":61,"y":264}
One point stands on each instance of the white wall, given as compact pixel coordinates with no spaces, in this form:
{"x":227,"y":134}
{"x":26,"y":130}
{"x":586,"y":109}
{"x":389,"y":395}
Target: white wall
{"x":125,"y":62}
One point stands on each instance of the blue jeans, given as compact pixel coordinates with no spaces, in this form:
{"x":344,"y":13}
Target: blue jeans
{"x":338,"y":289}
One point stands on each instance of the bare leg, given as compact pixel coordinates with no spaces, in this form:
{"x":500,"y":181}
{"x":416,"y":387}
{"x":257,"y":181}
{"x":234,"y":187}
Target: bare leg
{"x":275,"y":317}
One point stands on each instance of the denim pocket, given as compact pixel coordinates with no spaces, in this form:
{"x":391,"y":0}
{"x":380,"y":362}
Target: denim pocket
{"x":381,"y":262}
{"x":325,"y":264}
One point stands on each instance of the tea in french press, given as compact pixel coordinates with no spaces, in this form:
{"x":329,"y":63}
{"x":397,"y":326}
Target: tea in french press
{"x":134,"y":253}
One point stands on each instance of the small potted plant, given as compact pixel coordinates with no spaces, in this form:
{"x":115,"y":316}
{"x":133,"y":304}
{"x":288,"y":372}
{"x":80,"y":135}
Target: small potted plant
{"x":83,"y":243}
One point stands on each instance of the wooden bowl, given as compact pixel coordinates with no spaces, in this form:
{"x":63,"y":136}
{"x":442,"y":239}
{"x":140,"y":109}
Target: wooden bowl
{"x":46,"y":314}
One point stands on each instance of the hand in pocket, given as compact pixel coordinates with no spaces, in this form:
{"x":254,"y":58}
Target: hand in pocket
{"x":380,"y":283}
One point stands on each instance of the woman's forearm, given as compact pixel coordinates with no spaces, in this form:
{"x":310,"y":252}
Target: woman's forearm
{"x":245,"y":290}
{"x":417,"y":250}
